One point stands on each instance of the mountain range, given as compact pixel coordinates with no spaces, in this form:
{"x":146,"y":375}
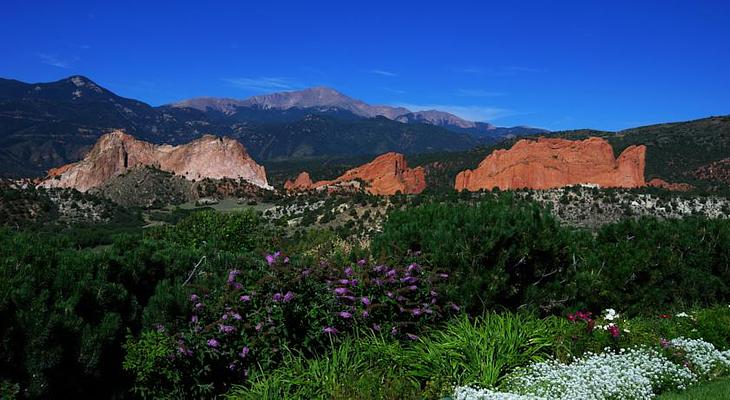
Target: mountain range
{"x":44,"y":125}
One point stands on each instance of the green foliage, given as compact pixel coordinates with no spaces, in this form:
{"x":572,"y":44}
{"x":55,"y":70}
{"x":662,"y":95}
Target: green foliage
{"x":501,"y":252}
{"x":368,"y":367}
{"x":479,"y":351}
{"x":249,"y":321}
{"x":149,"y":358}
{"x":652,"y":263}
{"x":238,"y":231}
{"x":66,"y":310}
{"x":707,"y":390}
{"x":464,"y":351}
{"x":508,"y":253}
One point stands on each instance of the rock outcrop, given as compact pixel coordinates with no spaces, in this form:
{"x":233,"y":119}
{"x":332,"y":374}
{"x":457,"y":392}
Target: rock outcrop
{"x":117,"y":152}
{"x":302,"y":182}
{"x":674,"y":187}
{"x":548,"y":163}
{"x":387,"y":174}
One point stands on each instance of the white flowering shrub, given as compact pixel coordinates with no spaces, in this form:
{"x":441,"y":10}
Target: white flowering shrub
{"x":628,"y":374}
{"x":702,"y":357}
{"x":469,"y":393}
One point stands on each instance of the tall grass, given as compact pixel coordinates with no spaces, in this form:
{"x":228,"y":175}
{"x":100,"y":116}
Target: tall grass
{"x":364,"y":368}
{"x":479,"y":351}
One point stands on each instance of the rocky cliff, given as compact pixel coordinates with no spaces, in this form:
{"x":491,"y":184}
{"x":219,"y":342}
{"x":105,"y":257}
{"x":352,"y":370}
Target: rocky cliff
{"x":302,"y":182}
{"x":550,"y":163}
{"x":385,"y":175}
{"x":117,"y":152}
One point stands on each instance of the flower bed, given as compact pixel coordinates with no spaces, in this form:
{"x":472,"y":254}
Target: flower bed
{"x":636,"y":373}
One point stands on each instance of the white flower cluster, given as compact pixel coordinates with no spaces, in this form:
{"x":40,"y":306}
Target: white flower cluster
{"x":609,"y":319}
{"x":702,"y":357}
{"x":637,"y":373}
{"x":611,"y":314}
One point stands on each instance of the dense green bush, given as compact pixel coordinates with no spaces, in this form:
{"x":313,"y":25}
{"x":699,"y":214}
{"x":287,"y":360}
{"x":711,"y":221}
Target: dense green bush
{"x":244,"y":324}
{"x":65,"y":311}
{"x":502,"y":252}
{"x":508,"y":253}
{"x":648,"y":264}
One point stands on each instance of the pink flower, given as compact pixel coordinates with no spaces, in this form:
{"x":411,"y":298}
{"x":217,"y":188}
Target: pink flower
{"x":184,"y":351}
{"x":244,"y":352}
{"x":361,"y":262}
{"x":213,"y":343}
{"x":345,"y":314}
{"x":194,"y":319}
{"x":411,"y":336}
{"x":664,"y":342}
{"x":348,"y":271}
{"x":271,"y":258}
{"x":330,"y":330}
{"x":289,"y":296}
{"x":341,"y":291}
{"x":245,"y":298}
{"x":614,"y":331}
{"x":277,"y":297}
{"x":226,"y":328}
{"x":365,"y":300}
{"x":232,"y":275}
{"x":194,"y":297}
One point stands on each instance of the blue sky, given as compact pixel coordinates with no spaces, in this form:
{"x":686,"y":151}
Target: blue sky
{"x":553,"y":64}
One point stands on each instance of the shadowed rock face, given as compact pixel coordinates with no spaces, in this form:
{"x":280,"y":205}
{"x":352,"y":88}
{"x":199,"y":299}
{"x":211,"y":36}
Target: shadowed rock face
{"x":551,"y":163}
{"x":117,"y":152}
{"x":385,"y":175}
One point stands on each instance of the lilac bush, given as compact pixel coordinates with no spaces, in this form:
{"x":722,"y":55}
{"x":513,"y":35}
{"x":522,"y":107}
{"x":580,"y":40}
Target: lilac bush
{"x":242,"y":324}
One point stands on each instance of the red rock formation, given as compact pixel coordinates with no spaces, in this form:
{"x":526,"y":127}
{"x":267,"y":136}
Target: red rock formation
{"x":549,"y":163}
{"x":385,"y":175}
{"x":303,"y":182}
{"x":117,"y":152}
{"x":675,"y":187}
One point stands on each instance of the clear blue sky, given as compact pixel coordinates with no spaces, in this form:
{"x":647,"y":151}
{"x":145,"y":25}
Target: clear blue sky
{"x":553,"y":64}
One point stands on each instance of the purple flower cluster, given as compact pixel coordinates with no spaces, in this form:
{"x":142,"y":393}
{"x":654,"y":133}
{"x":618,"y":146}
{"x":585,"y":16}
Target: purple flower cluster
{"x":228,"y":319}
{"x":395,"y":297}
{"x":283,"y":298}
{"x":272,"y":259}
